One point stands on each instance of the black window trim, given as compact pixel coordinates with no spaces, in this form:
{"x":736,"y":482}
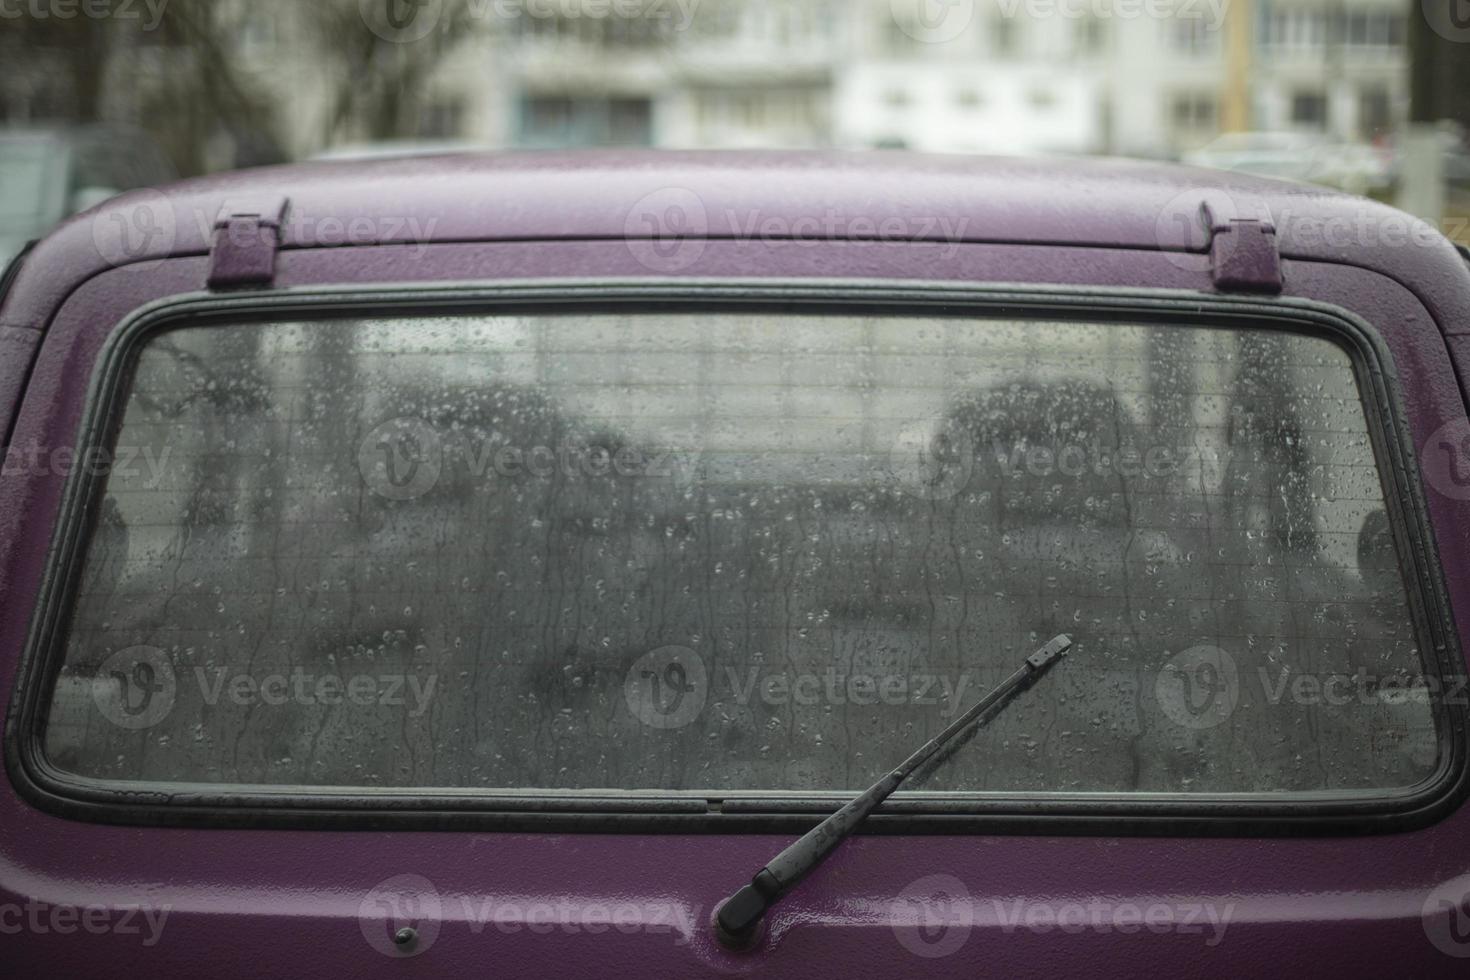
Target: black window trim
{"x":1110,"y":814}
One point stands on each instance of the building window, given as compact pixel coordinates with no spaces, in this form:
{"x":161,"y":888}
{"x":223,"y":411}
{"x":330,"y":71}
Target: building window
{"x":635,"y":31}
{"x":1372,"y":29}
{"x":1091,"y":35}
{"x":897,"y":98}
{"x":1006,"y":38}
{"x":558,"y":120}
{"x":1295,"y":28}
{"x":546,"y":119}
{"x":968,"y":99}
{"x":1041,"y":99}
{"x":629,"y":122}
{"x":1309,"y":109}
{"x":442,"y":120}
{"x":1193,"y":111}
{"x":1191,"y":35}
{"x":763,"y":113}
{"x":607,"y":32}
{"x":527,"y":25}
{"x":717,"y":20}
{"x":1375,"y":111}
{"x":900,"y":38}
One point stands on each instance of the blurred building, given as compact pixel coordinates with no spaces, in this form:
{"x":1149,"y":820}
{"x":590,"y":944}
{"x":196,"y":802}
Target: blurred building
{"x":1166,"y":82}
{"x":1340,"y":67}
{"x":278,"y":78}
{"x":739,"y":73}
{"x":1092,"y":77}
{"x":974,"y":81}
{"x":989,"y":76}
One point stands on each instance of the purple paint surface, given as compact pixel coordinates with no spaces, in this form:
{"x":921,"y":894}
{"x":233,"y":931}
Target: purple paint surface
{"x":288,"y":903}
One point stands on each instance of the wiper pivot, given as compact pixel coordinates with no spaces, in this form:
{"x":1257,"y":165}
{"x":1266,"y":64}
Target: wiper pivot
{"x":741,"y":913}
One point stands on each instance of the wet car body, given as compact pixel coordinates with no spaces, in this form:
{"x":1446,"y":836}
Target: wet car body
{"x":303,"y":877}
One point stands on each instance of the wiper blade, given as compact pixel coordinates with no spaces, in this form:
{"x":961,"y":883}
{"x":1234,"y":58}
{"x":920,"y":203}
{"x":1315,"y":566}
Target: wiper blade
{"x":741,"y":913}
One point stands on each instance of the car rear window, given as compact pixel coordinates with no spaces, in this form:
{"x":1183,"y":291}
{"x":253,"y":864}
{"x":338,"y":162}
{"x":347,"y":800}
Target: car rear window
{"x":725,"y":551}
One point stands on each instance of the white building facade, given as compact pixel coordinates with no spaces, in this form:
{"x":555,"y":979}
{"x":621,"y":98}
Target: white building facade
{"x":1127,"y":77}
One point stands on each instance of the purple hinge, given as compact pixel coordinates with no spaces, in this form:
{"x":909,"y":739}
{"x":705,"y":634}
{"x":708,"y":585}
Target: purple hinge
{"x":1244,"y":255}
{"x":246,"y":238}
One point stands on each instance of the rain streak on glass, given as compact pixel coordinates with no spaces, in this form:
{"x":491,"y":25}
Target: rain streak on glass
{"x":741,"y":551}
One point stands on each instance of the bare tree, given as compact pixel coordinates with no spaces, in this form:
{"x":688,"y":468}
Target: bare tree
{"x":177,"y":79}
{"x":204,"y":95}
{"x":384,"y":58}
{"x":54,"y":68}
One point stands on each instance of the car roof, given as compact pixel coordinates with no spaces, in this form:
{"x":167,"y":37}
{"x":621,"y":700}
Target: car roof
{"x":612,"y":194}
{"x":393,"y":149}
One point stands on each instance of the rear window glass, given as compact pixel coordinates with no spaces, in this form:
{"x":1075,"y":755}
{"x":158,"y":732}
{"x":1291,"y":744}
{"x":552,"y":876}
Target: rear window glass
{"x":739,"y":551}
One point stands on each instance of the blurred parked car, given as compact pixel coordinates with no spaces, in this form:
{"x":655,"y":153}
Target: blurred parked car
{"x":394,"y":149}
{"x":47,"y":174}
{"x":1354,"y":167}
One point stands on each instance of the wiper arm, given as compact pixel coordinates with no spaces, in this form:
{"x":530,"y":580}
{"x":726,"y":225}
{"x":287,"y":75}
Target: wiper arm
{"x":741,"y":913}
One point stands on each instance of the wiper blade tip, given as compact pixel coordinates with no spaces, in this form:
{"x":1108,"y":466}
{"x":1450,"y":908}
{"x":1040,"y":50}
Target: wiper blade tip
{"x":1047,"y":655}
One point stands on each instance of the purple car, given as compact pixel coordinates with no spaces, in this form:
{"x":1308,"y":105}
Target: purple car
{"x":697,"y":565}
